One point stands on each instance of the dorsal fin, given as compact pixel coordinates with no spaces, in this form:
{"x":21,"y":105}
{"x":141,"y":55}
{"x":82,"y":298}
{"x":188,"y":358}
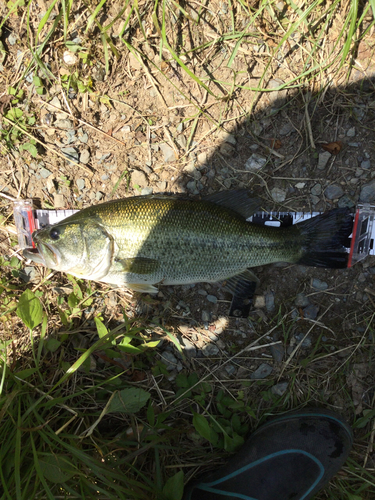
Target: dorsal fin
{"x":239,"y":200}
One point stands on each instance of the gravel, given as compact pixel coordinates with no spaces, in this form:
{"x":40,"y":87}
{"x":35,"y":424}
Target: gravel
{"x":44,"y":173}
{"x":351,"y":132}
{"x":301,"y":300}
{"x":323,"y":160}
{"x":262,"y":371}
{"x":277,"y":352}
{"x":306,"y":343}
{"x":255,"y":162}
{"x":367,"y":194}
{"x":210,"y":350}
{"x":168,"y":152}
{"x":70,"y":153}
{"x":212,"y":298}
{"x":278,"y":194}
{"x":311,"y":311}
{"x":139,"y":178}
{"x":80,"y":184}
{"x":279,"y":389}
{"x":319,"y":285}
{"x":333,"y":191}
{"x":316,"y":190}
{"x":169,"y":360}
{"x":85,"y":156}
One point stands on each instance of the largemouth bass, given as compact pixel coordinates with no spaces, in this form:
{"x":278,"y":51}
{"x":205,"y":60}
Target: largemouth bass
{"x":143,"y":241}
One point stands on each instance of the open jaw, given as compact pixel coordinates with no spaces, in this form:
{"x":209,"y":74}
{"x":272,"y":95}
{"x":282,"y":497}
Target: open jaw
{"x":45,"y":254}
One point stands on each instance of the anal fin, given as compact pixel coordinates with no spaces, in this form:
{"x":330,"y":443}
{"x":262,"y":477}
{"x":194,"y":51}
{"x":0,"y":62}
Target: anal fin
{"x":142,"y":287}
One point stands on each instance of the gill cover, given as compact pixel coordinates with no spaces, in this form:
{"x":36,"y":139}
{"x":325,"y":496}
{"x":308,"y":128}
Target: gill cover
{"x":83,"y":249}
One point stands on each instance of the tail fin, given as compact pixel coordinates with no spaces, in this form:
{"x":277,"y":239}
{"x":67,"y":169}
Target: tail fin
{"x":324,"y":239}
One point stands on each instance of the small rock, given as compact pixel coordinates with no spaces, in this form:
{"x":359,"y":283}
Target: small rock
{"x":314,"y":199}
{"x":259,"y":301}
{"x":225,"y":137}
{"x":212,"y":298}
{"x":98,"y":195}
{"x":161,"y":186}
{"x":270,"y":301}
{"x":181,"y":141}
{"x":318,"y":284}
{"x":366,"y":164}
{"x":189,"y":348}
{"x":351,"y":132}
{"x":169,"y":360}
{"x":58,"y":200}
{"x":255,"y":162}
{"x":168,"y":152}
{"x":12,"y":39}
{"x":205,"y":316}
{"x":55,"y":102}
{"x":278,"y":194}
{"x":286,"y":129}
{"x":323,"y":160}
{"x":279,"y":389}
{"x":63,"y":124}
{"x":180,"y":128}
{"x":70,"y":153}
{"x":139,"y":178}
{"x":301,"y":300}
{"x":202,"y":158}
{"x":146,"y":191}
{"x":85,"y":156}
{"x":83,"y":138}
{"x":80,"y":184}
{"x":277,"y":352}
{"x":346,"y":201}
{"x":134,"y":62}
{"x":210,"y":350}
{"x":367,"y":194}
{"x":300,"y":185}
{"x":306,"y":343}
{"x":333,"y":191}
{"x":226,"y":149}
{"x":353,"y":144}
{"x":192,"y":186}
{"x":262,"y":371}
{"x":44,"y":173}
{"x":316,"y":190}
{"x":230,"y":369}
{"x":104,"y":177}
{"x":311,"y":311}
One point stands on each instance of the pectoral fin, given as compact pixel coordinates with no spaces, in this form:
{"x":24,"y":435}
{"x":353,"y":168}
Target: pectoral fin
{"x":142,"y":287}
{"x":138,"y":265}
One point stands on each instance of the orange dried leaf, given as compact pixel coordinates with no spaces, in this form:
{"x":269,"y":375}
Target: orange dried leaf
{"x":333,"y":147}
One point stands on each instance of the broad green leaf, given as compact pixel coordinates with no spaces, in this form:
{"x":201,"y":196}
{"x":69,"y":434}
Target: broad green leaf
{"x":100,"y":326}
{"x":73,"y":300}
{"x":14,"y":114}
{"x":30,"y":309}
{"x":27,"y":146}
{"x":52,"y":344}
{"x":56,"y":468}
{"x":174,"y":487}
{"x":128,"y":401}
{"x":24,"y":374}
{"x":202,"y":426}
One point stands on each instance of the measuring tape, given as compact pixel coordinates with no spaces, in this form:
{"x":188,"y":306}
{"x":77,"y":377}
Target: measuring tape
{"x":360,"y":243}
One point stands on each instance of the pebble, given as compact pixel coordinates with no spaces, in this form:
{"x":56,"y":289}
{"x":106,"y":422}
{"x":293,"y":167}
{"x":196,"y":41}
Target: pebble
{"x":205,"y":316}
{"x":80,"y":184}
{"x":225,"y":137}
{"x":63,"y":124}
{"x":353,"y":144}
{"x":351,"y":132}
{"x":255,"y":162}
{"x":180,"y":128}
{"x":259,"y":301}
{"x":104,"y":177}
{"x":270,"y":301}
{"x":226,"y":149}
{"x":318,"y":284}
{"x":168,"y":152}
{"x":44,"y":173}
{"x":230,"y":369}
{"x":277,"y":352}
{"x":316,"y":189}
{"x":300,"y":185}
{"x":83,"y":138}
{"x":70,"y":153}
{"x":192,"y":186}
{"x":286,"y":129}
{"x":181,"y":141}
{"x":306,"y":342}
{"x":98,"y":195}
{"x":366,"y":164}
{"x":333,"y":191}
{"x":202,"y":158}
{"x":278,"y":194}
{"x":262,"y":371}
{"x":323,"y":160}
{"x":139,"y":178}
{"x":212,"y":298}
{"x":169,"y":360}
{"x":346,"y":201}
{"x":189,"y":348}
{"x":210,"y":350}
{"x":367,"y":194}
{"x":85,"y":156}
{"x":279,"y":389}
{"x":314,"y":199}
{"x":58,"y":200}
{"x":12,"y":39}
{"x":146,"y":191}
{"x":311,"y":311}
{"x":301,"y":300}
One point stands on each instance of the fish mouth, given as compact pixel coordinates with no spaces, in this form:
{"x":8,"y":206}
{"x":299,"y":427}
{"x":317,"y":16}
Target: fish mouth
{"x":45,"y":254}
{"x":34,"y":255}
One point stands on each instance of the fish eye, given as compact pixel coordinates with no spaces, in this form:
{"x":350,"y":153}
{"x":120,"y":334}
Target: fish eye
{"x":54,"y":234}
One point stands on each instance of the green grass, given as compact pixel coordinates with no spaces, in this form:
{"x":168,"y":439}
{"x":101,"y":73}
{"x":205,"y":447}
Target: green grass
{"x":66,"y":431}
